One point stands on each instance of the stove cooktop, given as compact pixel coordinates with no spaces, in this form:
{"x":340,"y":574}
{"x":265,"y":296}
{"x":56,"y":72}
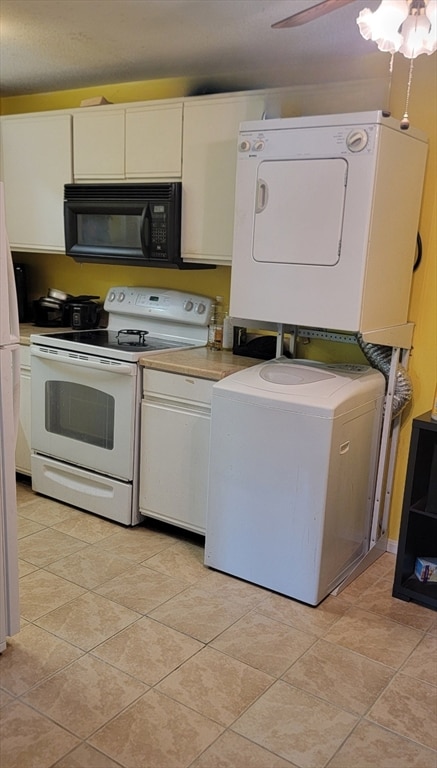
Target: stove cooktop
{"x":130,"y":340}
{"x":140,"y":320}
{"x":128,"y":345}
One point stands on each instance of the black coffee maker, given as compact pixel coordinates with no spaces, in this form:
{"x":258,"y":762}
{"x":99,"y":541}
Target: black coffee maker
{"x":20,"y":273}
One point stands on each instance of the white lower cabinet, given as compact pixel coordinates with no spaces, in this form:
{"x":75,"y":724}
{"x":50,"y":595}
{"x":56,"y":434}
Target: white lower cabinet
{"x":175,"y":427}
{"x":22,"y":449}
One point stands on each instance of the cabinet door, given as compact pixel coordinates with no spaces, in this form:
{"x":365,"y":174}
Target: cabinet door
{"x":98,"y":143}
{"x":154,"y":141}
{"x":174,"y":464}
{"x":22,"y":449}
{"x":36,"y":165}
{"x":208,"y":174}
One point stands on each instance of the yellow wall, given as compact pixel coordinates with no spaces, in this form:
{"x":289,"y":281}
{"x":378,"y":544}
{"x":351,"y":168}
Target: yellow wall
{"x":422,"y":365}
{"x":423,"y":302}
{"x":168,"y":88}
{"x":59,"y":271}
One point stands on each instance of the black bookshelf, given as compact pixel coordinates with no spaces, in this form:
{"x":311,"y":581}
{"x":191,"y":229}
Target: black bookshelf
{"x":418,"y":532}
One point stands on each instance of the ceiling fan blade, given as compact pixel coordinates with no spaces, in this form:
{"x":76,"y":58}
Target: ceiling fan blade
{"x":315,"y":12}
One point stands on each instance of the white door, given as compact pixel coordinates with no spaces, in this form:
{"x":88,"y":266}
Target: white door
{"x":22,"y":448}
{"x":208,"y":174}
{"x":37,"y":162}
{"x":9,"y":402}
{"x":154,"y":142}
{"x":174,"y":463}
{"x":98,"y":144}
{"x":175,"y":426}
{"x":83,"y":410}
{"x":9,"y":592}
{"x":299,"y":211}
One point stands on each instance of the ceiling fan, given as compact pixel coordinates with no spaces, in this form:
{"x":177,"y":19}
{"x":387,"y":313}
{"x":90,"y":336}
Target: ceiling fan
{"x":310,"y":14}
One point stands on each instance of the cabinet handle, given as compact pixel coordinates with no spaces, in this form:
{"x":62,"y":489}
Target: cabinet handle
{"x":181,"y":406}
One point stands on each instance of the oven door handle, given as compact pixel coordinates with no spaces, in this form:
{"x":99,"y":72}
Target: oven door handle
{"x":72,"y":358}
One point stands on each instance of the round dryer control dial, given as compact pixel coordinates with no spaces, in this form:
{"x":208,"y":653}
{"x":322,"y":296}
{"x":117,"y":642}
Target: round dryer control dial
{"x":357,"y":140}
{"x":258,"y":145}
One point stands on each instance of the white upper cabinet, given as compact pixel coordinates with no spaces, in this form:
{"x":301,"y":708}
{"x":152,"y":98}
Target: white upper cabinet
{"x":36,"y":164}
{"x":193,"y":139}
{"x":154,"y":141}
{"x":128,"y":143}
{"x":209,"y":153}
{"x":98,"y":144}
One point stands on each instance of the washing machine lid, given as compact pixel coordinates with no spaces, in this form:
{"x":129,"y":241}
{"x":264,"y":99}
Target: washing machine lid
{"x":287,"y":375}
{"x":304,"y":386}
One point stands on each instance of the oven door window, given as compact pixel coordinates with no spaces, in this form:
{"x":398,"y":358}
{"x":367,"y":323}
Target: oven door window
{"x":80,"y":413}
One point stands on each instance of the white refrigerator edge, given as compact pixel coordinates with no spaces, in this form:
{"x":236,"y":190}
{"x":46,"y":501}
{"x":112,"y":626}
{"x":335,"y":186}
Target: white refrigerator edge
{"x":9,"y":412}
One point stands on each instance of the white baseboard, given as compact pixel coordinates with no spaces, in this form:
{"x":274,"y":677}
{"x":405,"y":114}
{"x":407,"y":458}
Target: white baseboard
{"x":392,"y":546}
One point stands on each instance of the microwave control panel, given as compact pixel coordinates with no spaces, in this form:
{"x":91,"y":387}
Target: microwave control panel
{"x":158,"y":236}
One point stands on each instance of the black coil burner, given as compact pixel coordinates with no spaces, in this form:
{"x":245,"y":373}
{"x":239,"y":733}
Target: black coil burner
{"x":131,"y":337}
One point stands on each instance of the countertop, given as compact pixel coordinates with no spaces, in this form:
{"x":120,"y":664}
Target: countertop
{"x":201,"y":362}
{"x":27,"y":328}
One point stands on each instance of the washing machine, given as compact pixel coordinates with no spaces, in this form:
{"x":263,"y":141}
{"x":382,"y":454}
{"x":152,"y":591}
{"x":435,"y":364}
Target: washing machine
{"x":293,"y":459}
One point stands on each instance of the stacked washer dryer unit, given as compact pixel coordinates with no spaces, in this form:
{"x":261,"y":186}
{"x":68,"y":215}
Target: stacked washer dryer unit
{"x":326,"y":219}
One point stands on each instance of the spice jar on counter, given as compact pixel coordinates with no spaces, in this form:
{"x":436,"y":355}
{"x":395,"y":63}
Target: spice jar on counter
{"x":215,"y":329}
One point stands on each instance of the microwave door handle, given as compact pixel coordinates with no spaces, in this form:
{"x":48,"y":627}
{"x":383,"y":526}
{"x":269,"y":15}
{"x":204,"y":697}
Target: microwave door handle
{"x":145,"y":229}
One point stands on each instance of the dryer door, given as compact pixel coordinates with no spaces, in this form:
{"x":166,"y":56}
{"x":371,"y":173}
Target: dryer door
{"x":299,"y":211}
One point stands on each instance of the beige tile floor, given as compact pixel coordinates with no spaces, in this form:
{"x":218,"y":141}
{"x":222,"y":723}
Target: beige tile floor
{"x":133,"y":654}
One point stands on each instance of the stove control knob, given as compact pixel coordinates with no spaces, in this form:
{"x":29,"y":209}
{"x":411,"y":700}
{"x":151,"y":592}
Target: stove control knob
{"x":111,"y":296}
{"x":201,"y":309}
{"x":188,"y":306}
{"x":121,"y":296}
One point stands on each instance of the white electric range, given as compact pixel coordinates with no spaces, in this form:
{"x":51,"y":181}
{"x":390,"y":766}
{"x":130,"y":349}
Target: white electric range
{"x":86,"y":395}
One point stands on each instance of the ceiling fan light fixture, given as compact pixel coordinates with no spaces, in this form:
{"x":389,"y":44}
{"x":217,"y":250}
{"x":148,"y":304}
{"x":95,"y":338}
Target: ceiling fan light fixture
{"x":419,"y":32}
{"x":382,"y":26}
{"x":407,"y":26}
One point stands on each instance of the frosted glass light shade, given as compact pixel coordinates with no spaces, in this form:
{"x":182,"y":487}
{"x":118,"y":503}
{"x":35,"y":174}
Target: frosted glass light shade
{"x":419,"y":32}
{"x":382,"y":25}
{"x":401,"y":25}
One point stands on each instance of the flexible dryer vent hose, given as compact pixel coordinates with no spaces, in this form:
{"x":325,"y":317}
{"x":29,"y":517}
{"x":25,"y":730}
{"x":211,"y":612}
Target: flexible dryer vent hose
{"x":380,"y":357}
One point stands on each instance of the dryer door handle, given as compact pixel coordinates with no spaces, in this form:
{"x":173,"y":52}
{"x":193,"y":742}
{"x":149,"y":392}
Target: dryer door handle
{"x":262,"y":196}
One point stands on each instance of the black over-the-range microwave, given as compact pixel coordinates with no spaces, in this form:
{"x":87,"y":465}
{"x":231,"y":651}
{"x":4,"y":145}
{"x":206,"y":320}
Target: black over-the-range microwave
{"x":129,"y":224}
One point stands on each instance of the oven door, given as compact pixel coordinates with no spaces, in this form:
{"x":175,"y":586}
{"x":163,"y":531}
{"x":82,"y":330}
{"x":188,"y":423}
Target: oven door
{"x":84,"y":410}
